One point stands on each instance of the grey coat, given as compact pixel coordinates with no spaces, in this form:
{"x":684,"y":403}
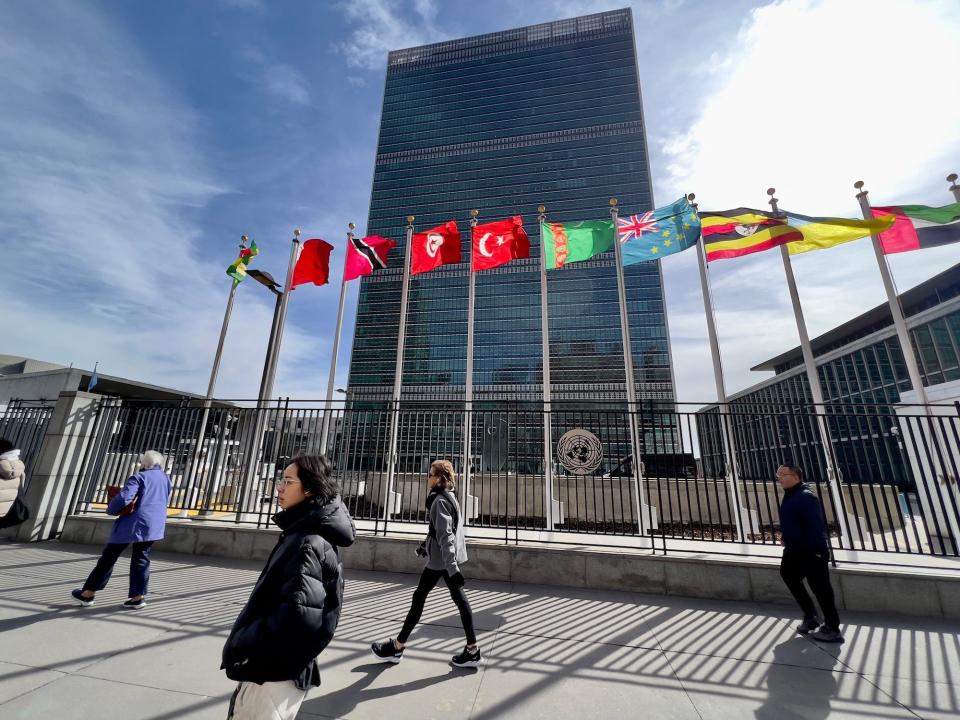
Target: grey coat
{"x":449,"y":550}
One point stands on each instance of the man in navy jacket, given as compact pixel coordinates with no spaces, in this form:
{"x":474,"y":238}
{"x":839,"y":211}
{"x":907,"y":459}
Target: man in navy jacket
{"x":806,"y":555}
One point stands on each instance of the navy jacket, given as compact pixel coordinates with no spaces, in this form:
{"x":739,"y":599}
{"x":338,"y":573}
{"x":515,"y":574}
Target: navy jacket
{"x":295,"y":606}
{"x":801,"y":521}
{"x":151,"y":488}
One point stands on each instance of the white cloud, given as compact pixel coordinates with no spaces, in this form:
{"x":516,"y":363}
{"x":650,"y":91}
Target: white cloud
{"x":384,"y":25}
{"x":286,"y":82}
{"x":102,"y":168}
{"x":808,"y":98}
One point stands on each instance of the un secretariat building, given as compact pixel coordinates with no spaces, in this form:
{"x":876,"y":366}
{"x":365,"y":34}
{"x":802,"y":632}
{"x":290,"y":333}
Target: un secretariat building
{"x":548,"y":114}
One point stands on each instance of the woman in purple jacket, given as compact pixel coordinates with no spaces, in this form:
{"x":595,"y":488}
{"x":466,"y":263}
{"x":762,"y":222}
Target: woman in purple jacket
{"x":150,"y":487}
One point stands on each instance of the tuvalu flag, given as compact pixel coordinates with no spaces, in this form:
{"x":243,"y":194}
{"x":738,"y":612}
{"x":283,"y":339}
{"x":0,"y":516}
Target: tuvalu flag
{"x":575,"y":241}
{"x":499,"y":242}
{"x":825,"y":232}
{"x":916,"y":227}
{"x":365,"y":255}
{"x":435,"y":247}
{"x":733,"y":233}
{"x":658,"y":232}
{"x":313,"y":265}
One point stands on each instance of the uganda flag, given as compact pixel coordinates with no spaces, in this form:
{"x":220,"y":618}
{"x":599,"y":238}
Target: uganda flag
{"x":916,"y":227}
{"x":743,"y":231}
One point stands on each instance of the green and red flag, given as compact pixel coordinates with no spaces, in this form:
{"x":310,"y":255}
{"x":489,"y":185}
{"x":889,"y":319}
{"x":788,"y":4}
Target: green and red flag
{"x":238,"y":268}
{"x":570,"y":242}
{"x":917,"y":227}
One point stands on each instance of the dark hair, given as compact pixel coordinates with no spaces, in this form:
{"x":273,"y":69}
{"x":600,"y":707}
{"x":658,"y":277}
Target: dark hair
{"x":795,"y":469}
{"x":5,"y":445}
{"x":315,"y":473}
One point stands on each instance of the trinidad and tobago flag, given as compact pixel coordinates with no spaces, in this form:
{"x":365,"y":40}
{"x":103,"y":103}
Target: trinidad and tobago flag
{"x":364,"y":255}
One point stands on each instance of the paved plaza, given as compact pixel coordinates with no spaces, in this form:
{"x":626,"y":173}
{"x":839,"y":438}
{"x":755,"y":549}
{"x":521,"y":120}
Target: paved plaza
{"x":550,"y":652}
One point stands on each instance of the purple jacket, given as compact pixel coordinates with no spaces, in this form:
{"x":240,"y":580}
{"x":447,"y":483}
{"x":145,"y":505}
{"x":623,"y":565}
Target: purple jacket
{"x":152,"y":490}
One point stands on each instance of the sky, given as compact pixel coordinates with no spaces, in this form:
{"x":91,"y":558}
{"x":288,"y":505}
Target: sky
{"x":138,"y":141}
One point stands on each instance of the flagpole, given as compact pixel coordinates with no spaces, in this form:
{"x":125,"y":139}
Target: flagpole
{"x":637,"y":465}
{"x":547,"y":394}
{"x":816,"y":392}
{"x":893,"y":300}
{"x":954,"y":188}
{"x":398,"y":373}
{"x":468,"y":381}
{"x":211,"y":385}
{"x":332,"y":377}
{"x":275,"y":352}
{"x":730,"y":470}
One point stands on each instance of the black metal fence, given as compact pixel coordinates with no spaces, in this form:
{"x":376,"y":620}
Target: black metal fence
{"x":887,"y":480}
{"x":24,"y":423}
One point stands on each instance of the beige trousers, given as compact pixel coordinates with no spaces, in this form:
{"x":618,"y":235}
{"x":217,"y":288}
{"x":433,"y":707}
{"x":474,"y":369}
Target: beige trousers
{"x":269,"y":701}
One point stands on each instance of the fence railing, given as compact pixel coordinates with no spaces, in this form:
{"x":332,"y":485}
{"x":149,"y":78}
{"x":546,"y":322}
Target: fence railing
{"x":24,"y":423}
{"x":887,"y":481}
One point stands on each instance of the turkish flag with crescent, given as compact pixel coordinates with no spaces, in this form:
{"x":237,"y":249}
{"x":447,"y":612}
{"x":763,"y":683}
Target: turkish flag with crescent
{"x":435,"y":247}
{"x":499,"y":242}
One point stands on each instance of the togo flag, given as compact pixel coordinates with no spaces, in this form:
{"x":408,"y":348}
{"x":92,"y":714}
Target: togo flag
{"x":919,"y":226}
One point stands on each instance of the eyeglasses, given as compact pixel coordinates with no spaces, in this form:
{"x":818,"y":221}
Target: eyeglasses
{"x":282,"y":483}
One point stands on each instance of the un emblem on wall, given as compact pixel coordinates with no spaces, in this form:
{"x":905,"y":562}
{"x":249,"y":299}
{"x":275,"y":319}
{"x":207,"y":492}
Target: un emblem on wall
{"x":580,"y":451}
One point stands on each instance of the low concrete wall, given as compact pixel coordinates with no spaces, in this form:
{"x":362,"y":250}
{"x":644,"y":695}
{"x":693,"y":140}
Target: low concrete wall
{"x":757,"y":580}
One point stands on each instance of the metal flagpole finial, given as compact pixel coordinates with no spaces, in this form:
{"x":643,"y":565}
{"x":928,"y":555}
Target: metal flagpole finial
{"x":613,"y":202}
{"x":410,"y":219}
{"x":861,"y":193}
{"x":773,"y":201}
{"x":296,"y":232}
{"x":473,"y":215}
{"x":351,"y":226}
{"x":542,"y":212}
{"x":954,"y":188}
{"x":243,"y":241}
{"x":690,"y":199}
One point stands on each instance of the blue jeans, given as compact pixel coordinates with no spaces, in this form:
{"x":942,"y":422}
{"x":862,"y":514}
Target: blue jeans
{"x":139,"y":567}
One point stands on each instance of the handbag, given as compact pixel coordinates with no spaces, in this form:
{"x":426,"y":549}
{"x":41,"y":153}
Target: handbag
{"x":113,"y":491}
{"x":18,"y":513}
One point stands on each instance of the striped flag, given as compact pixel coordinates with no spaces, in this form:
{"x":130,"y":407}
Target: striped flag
{"x":743,"y":231}
{"x":916,"y":227}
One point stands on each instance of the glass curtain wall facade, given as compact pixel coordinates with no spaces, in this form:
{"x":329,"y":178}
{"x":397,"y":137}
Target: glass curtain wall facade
{"x":548,"y":114}
{"x":862,"y":376}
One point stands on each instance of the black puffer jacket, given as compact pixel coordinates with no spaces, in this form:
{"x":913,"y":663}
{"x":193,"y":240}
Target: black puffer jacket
{"x":295,"y":606}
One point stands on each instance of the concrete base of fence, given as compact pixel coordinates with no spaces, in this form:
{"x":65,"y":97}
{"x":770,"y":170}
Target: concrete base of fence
{"x":888,"y":590}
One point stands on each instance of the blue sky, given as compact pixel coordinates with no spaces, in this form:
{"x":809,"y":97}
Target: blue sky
{"x":138,"y":141}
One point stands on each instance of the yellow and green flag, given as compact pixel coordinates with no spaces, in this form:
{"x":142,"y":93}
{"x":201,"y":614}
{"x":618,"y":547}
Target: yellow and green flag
{"x":238,"y":268}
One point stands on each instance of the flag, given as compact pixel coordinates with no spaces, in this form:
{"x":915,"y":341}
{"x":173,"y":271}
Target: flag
{"x":435,"y":247}
{"x":732,"y":233}
{"x":825,"y":232}
{"x":916,"y":227}
{"x":313,"y":264}
{"x":658,"y":232}
{"x":364,"y":255}
{"x":238,"y":268}
{"x":575,"y":241}
{"x":499,"y":242}
{"x":92,"y":382}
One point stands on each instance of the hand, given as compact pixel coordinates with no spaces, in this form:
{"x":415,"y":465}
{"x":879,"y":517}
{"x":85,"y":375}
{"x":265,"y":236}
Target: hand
{"x":421,"y":550}
{"x":457,"y":581}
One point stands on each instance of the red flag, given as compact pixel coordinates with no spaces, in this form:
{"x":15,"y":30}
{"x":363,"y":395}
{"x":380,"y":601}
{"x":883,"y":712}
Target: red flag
{"x":314,"y":264}
{"x":364,"y":255}
{"x":435,"y":247}
{"x":499,"y":242}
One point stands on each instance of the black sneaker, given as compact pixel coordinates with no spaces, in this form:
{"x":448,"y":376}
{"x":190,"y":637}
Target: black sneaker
{"x":387,"y":651}
{"x":826,"y":635}
{"x":808,"y":625}
{"x":467,"y":658}
{"x":134,"y":604}
{"x":78,"y":596}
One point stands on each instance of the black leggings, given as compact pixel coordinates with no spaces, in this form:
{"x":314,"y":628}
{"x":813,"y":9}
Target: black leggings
{"x":428,"y":580}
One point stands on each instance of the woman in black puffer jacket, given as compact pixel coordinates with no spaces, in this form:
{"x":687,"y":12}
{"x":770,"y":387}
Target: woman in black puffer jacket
{"x":294,"y":608}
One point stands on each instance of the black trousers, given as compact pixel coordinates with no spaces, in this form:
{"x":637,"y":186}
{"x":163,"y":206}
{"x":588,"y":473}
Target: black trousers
{"x":139,"y":567}
{"x":428,"y":580}
{"x":799,"y":564}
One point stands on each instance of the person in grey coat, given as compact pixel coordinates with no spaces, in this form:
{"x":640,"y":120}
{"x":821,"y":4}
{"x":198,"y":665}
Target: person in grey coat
{"x":445,"y":551}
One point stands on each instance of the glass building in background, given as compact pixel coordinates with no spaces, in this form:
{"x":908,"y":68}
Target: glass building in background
{"x":548,"y":114}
